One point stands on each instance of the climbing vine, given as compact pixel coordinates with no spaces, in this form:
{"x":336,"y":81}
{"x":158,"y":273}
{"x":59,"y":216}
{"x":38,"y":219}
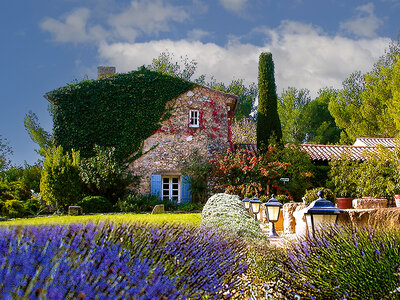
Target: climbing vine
{"x":119,"y":111}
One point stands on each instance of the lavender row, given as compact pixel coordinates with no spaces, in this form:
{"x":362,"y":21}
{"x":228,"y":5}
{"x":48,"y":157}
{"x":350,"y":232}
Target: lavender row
{"x":117,"y":261}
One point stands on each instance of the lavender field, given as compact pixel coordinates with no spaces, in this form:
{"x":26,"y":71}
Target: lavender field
{"x":108,"y":261}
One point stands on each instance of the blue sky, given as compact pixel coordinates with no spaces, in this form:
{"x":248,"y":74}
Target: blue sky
{"x":49,"y":43}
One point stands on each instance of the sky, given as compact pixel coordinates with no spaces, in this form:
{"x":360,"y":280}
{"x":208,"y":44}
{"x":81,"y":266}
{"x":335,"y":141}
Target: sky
{"x":46,"y":44}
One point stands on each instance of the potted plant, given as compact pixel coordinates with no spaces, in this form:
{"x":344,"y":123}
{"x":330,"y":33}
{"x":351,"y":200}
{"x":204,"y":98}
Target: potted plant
{"x":343,"y":181}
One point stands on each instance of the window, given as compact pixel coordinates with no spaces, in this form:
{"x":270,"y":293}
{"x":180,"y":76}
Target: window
{"x":171,"y":188}
{"x":194,"y":118}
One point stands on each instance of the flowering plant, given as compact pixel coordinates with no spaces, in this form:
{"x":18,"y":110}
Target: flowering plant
{"x":244,"y":172}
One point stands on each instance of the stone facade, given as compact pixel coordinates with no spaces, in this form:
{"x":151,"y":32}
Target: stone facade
{"x":164,"y":151}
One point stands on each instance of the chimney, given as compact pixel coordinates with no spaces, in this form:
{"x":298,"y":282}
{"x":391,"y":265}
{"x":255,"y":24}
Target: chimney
{"x":103,"y":71}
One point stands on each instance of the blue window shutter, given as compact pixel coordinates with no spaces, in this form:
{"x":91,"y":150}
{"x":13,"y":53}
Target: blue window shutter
{"x":156,"y":185}
{"x":186,"y":195}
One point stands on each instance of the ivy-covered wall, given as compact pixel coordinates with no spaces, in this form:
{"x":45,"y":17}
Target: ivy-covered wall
{"x":120,"y":111}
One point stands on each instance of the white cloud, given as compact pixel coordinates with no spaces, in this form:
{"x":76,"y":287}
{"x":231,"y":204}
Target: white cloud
{"x":147,"y":17}
{"x":197,"y":34}
{"x":364,"y":24}
{"x":72,"y":29}
{"x":235,"y":6}
{"x":304,"y":56}
{"x":142,"y":17}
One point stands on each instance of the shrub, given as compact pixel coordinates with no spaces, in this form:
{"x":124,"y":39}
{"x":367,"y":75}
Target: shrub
{"x":282,"y":198}
{"x":142,"y":203}
{"x":300,"y":171}
{"x":343,"y":177}
{"x":149,"y":262}
{"x":227,"y":213}
{"x":34,"y":206}
{"x":243,"y":172}
{"x":197,"y":167}
{"x":60,"y":184}
{"x":103,"y":175}
{"x":95,"y":204}
{"x":343,"y":263}
{"x":14,"y":208}
{"x":189,"y":207}
{"x":311,"y":195}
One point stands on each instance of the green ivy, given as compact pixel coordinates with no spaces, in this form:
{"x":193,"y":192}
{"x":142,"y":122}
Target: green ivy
{"x":119,"y":111}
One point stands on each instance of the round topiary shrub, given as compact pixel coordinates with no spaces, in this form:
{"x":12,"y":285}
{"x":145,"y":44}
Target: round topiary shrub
{"x":227,"y":213}
{"x":311,"y":195}
{"x":95,"y":204}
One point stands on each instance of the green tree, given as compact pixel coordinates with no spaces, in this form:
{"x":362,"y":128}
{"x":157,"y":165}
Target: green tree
{"x":246,"y":96}
{"x":395,"y":85}
{"x":346,"y":107}
{"x":317,"y":123}
{"x":366,"y":104}
{"x":268,"y":123}
{"x":291,"y":107}
{"x":37,"y":133}
{"x":5,"y":152}
{"x":60,"y":184}
{"x":103,"y":175}
{"x":165,"y":63}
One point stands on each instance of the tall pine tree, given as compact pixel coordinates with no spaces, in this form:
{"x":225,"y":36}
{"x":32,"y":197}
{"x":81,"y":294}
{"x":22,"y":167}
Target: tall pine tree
{"x":268,"y":123}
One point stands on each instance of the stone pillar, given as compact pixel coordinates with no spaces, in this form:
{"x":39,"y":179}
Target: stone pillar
{"x":290,"y":223}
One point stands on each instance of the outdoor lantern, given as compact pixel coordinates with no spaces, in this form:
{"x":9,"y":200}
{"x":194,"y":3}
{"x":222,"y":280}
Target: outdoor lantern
{"x":273,"y":208}
{"x":255,"y":206}
{"x":246,"y":202}
{"x":320,"y":212}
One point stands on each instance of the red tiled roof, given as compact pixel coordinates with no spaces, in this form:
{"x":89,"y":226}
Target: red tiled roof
{"x":325,"y":152}
{"x":329,"y":152}
{"x":368,"y":141}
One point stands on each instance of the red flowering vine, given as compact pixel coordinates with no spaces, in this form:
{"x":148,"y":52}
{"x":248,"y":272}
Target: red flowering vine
{"x":244,"y":172}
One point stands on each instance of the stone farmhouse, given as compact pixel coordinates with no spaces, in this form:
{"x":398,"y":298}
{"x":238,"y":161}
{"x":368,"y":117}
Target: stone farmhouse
{"x":200,"y":121}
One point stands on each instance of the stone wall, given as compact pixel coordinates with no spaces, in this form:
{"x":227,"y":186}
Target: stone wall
{"x":175,"y":141}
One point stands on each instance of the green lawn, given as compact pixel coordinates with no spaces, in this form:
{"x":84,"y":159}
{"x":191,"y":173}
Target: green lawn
{"x":193,"y":219}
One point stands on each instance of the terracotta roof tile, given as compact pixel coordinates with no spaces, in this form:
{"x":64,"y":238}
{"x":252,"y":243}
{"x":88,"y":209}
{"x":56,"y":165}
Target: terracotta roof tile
{"x":368,"y":141}
{"x":329,"y":152}
{"x":325,"y":152}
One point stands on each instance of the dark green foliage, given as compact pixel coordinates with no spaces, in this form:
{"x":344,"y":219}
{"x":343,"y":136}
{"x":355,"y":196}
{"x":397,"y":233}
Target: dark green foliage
{"x":301,"y":171}
{"x":342,"y":263}
{"x":311,"y":195}
{"x":61,"y":185}
{"x":342,"y":176}
{"x":197,"y":167}
{"x":95,"y":204}
{"x":318,"y":124}
{"x":189,"y":207}
{"x":268,"y":123}
{"x":120,"y":111}
{"x":14,"y":208}
{"x":13,"y":190}
{"x":37,"y":133}
{"x":142,"y":203}
{"x":5,"y":152}
{"x":282,"y":198}
{"x":104,"y":175}
{"x":34,"y":206}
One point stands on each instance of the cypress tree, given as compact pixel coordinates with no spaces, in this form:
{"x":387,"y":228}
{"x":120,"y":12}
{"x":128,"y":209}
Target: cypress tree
{"x":268,"y":123}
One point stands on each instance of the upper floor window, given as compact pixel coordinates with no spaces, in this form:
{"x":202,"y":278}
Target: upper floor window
{"x":194,"y":118}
